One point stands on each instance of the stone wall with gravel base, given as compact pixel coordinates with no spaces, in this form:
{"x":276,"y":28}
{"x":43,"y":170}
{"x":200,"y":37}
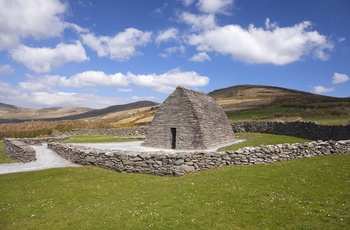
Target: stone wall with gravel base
{"x":19,"y":148}
{"x":177,"y":164}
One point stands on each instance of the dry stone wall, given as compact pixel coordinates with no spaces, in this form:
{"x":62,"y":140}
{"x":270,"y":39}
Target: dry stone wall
{"x":18,"y":150}
{"x":177,"y":164}
{"x":308,"y":130}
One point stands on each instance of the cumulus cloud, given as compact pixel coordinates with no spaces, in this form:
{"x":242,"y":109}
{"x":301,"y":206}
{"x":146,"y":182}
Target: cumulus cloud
{"x":215,"y":6}
{"x":275,"y":45}
{"x":83,"y":79}
{"x":172,"y":50}
{"x":36,"y":91}
{"x":198,"y":22}
{"x":200,"y":57}
{"x":39,"y":99}
{"x":165,"y":82}
{"x":43,"y":60}
{"x":166,"y":35}
{"x":6,"y":69}
{"x":188,"y":2}
{"x":30,"y":18}
{"x":120,"y":47}
{"x":339,"y":78}
{"x":322,"y":89}
{"x":168,"y":81}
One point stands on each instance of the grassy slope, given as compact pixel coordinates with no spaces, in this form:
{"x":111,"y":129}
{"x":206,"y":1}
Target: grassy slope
{"x":308,"y":193}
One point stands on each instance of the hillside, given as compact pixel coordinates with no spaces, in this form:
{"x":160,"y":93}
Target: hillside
{"x":243,"y":97}
{"x":232,"y":99}
{"x":14,"y":114}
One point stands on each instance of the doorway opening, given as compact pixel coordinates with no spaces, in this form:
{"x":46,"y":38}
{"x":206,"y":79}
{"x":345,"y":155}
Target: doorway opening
{"x":173,"y":138}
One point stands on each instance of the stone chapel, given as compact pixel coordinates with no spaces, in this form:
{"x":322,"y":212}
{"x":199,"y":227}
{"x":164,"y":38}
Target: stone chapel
{"x":189,"y":120}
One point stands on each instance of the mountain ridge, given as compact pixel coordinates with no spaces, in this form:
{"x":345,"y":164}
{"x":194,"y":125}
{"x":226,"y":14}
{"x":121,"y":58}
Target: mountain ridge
{"x":233,"y":98}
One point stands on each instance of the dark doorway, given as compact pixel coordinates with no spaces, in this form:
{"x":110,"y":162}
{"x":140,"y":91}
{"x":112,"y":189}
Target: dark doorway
{"x":173,"y":138}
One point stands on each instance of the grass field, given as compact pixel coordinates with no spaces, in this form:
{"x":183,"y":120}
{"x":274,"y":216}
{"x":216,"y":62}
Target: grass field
{"x":256,"y":139}
{"x":95,"y":139}
{"x":321,"y":116}
{"x":309,"y":193}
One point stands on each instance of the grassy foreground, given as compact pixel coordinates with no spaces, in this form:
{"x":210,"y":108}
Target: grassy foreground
{"x":309,"y":193}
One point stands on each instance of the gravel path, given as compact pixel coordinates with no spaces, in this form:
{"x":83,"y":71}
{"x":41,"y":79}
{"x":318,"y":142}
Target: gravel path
{"x":46,"y":159}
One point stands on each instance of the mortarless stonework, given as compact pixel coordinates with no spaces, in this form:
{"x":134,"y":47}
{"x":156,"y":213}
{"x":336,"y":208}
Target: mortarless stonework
{"x":189,"y":120}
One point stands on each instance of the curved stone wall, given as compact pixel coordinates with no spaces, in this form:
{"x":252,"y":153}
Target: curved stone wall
{"x":19,"y":149}
{"x":177,"y":164}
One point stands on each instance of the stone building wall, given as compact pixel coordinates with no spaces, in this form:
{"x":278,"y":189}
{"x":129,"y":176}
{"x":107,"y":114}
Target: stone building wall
{"x":177,"y":164}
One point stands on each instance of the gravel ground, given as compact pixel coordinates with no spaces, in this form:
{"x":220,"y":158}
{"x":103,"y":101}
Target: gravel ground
{"x":46,"y":158}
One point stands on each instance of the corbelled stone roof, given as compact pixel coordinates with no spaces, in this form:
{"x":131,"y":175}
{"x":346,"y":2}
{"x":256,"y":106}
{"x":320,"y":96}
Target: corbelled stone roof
{"x":189,"y":119}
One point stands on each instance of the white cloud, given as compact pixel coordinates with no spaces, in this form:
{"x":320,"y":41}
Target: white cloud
{"x":277,"y":45}
{"x":6,"y":69}
{"x":120,"y":47}
{"x":83,"y":79}
{"x":125,"y":90}
{"x":198,"y":22}
{"x":200,"y":57}
{"x":171,"y":50}
{"x":340,"y":78}
{"x":43,"y":60}
{"x":42,"y":99}
{"x":215,"y":6}
{"x":168,"y":81}
{"x":188,"y":2}
{"x":321,"y":89}
{"x":166,"y":35}
{"x":30,"y":18}
{"x":95,"y":78}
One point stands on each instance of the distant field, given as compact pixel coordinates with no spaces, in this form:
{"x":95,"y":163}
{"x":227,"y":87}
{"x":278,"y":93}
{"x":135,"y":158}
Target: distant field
{"x":322,"y":116}
{"x":95,"y":139}
{"x":256,"y":139}
{"x":308,"y":193}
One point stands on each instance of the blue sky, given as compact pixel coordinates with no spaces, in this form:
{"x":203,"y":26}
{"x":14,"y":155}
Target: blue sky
{"x":97,"y":53}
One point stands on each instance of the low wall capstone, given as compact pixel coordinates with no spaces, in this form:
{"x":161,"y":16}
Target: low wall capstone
{"x":177,"y":164}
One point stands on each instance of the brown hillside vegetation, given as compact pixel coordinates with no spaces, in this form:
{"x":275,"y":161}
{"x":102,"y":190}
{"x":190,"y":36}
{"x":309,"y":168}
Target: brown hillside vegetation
{"x":15,"y":112}
{"x":243,"y":97}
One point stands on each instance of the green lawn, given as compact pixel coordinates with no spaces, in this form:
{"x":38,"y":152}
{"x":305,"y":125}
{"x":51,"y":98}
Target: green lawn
{"x":311,"y":193}
{"x":96,"y":139}
{"x":315,"y":115}
{"x":256,"y":139}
